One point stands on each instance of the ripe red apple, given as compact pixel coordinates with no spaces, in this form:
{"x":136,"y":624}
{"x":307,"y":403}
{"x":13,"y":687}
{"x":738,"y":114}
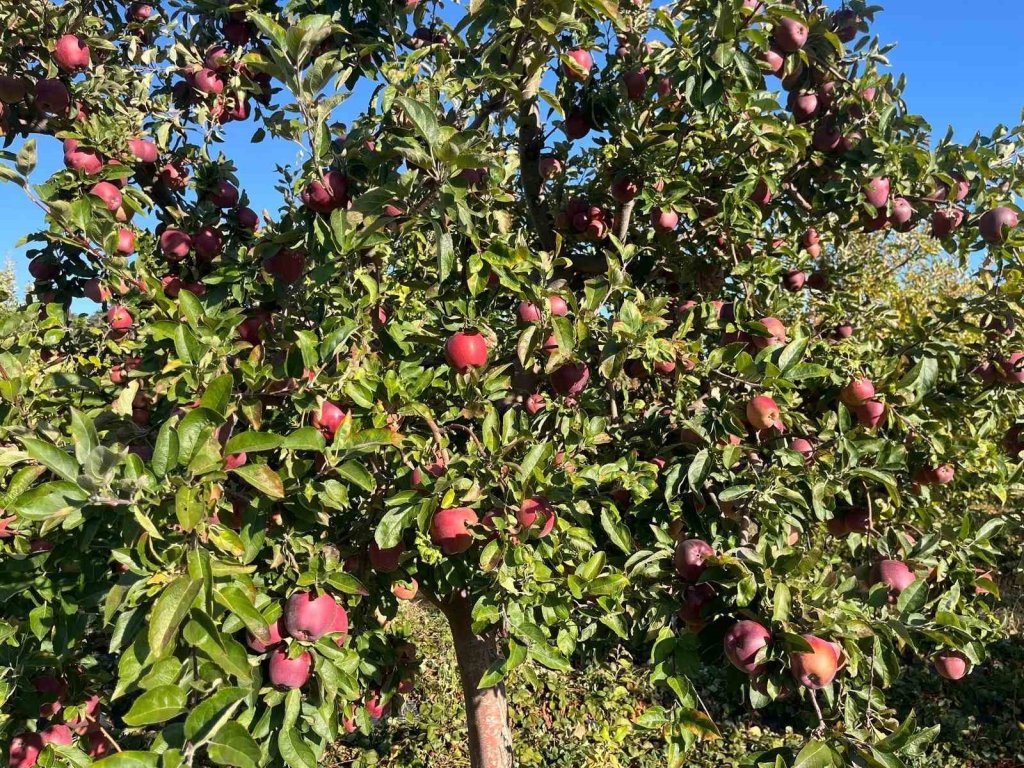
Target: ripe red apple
{"x":579,"y":68}
{"x":207,"y":243}
{"x":902,"y":214}
{"x":816,"y":668}
{"x":857,"y":392}
{"x":576,"y":125}
{"x":794,"y":280}
{"x":549,"y":166}
{"x":224,"y":194}
{"x":43,"y":268}
{"x":24,"y":750}
{"x":109,"y":194}
{"x":52,"y":97}
{"x":533,"y":509}
{"x":803,"y":104}
{"x":451,"y":530}
{"x":308,"y":616}
{"x":140,"y":12}
{"x":57,"y":733}
{"x":466,"y":350}
{"x":695,"y":598}
{"x":625,"y":189}
{"x":689,"y":557}
{"x":804,"y":447}
{"x":789,"y":35}
{"x":327,"y":195}
{"x":895,"y":573}
{"x":842,"y":331}
{"x":763,"y":413}
{"x":946,"y":221}
{"x":405,"y":590}
{"x":329,"y":418}
{"x":119,"y":318}
{"x":664,"y":221}
{"x":175,"y":244}
{"x":235,"y":460}
{"x":246,"y":218}
{"x":71,"y":53}
{"x":773,"y":60}
{"x":827,"y":137}
{"x":951,"y":665}
{"x":208,"y":81}
{"x":535,"y":404}
{"x":82,"y":159}
{"x":871,"y":414}
{"x":144,"y":151}
{"x":876,"y":192}
{"x":339,"y":626}
{"x":285,"y":672}
{"x":274,"y":639}
{"x":385,"y":560}
{"x":570,"y":379}
{"x":173,"y":176}
{"x":942,"y":475}
{"x":287,"y":265}
{"x":13,"y":90}
{"x":125,"y":241}
{"x":777,"y":331}
{"x":761,"y":195}
{"x":743,"y":642}
{"x":994,"y":224}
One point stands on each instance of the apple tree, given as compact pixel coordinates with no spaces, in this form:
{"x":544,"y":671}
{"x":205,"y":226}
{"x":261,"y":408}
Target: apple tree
{"x":556,"y":331}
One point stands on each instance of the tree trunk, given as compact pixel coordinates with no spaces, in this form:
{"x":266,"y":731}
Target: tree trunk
{"x":490,"y":739}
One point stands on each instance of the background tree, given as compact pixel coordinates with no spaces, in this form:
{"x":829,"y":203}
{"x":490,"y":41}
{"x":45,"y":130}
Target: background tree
{"x":600,"y":386}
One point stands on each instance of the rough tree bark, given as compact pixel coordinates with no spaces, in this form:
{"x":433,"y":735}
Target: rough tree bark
{"x":490,"y":738}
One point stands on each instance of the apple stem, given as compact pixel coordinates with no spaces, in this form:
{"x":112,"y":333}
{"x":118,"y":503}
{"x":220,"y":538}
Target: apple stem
{"x":817,"y":709}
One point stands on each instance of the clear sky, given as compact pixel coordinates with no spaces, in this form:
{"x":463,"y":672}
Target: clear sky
{"x":963,"y":63}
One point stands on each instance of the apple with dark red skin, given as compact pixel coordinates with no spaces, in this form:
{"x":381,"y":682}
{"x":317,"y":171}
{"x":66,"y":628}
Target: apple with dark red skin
{"x":235,"y":460}
{"x":689,"y":557}
{"x":385,"y":560}
{"x":997,"y":223}
{"x":871,"y":414}
{"x":339,"y":626}
{"x":173,"y":176}
{"x":695,"y":598}
{"x":902,"y":214}
{"x":794,"y":280}
{"x":625,"y":189}
{"x":743,"y":642}
{"x":52,"y":97}
{"x":549,"y":166}
{"x":13,"y":90}
{"x":773,"y":60}
{"x":308,"y":616}
{"x":762,"y":194}
{"x":466,"y":350}
{"x":71,"y":53}
{"x":207,"y":243}
{"x":329,"y":418}
{"x":876,"y":192}
{"x":803,"y":104}
{"x":946,"y":221}
{"x":532,"y":510}
{"x":451,"y":529}
{"x":842,"y":331}
{"x":580,"y":67}
{"x":144,"y":151}
{"x":43,"y":268}
{"x":789,"y":35}
{"x":827,"y":136}
{"x":288,"y":673}
{"x":24,"y":750}
{"x":857,"y":392}
{"x":951,"y":665}
{"x":577,"y":125}
{"x":109,"y":194}
{"x":763,"y":413}
{"x":570,"y":379}
{"x":894,"y":573}
{"x":140,"y":11}
{"x":119,"y":318}
{"x":816,"y":668}
{"x":287,"y":265}
{"x":246,"y":218}
{"x":82,"y":159}
{"x":636,"y":84}
{"x":175,"y":244}
{"x":208,"y":81}
{"x":776,"y":330}
{"x":327,"y":195}
{"x":275,"y":636}
{"x":664,"y":221}
{"x":58,"y":734}
{"x":804,"y":447}
{"x":223,"y":194}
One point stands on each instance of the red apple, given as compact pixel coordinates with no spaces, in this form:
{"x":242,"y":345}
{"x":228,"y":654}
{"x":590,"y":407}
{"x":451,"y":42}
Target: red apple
{"x":857,"y":392}
{"x":451,"y":530}
{"x":790,"y":35}
{"x":119,"y":318}
{"x":777,"y":331}
{"x":329,"y":418}
{"x":405,"y":590}
{"x":207,"y":243}
{"x":664,"y":221}
{"x":816,"y":668}
{"x":385,"y":560}
{"x":308,"y":616}
{"x":223,"y":194}
{"x":570,"y":379}
{"x":71,"y":53}
{"x":533,"y":509}
{"x":327,"y":195}
{"x":246,"y":218}
{"x":763,"y":413}
{"x":695,"y":598}
{"x":466,"y":350}
{"x":689,"y":557}
{"x":743,"y":642}
{"x":871,"y":414}
{"x":175,"y":244}
{"x":535,"y":404}
{"x":876,"y":192}
{"x":81,"y":159}
{"x":951,"y":665}
{"x":285,"y":672}
{"x":208,"y":81}
{"x":24,"y":750}
{"x":895,"y":573}
{"x":579,"y":68}
{"x":109,"y":194}
{"x":276,"y":635}
{"x":996,"y":224}
{"x":58,"y":734}
{"x":144,"y":151}
{"x":549,"y":166}
{"x":52,"y":97}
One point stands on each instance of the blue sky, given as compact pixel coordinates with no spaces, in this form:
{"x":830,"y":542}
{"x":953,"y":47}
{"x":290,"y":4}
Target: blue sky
{"x":962,"y":60}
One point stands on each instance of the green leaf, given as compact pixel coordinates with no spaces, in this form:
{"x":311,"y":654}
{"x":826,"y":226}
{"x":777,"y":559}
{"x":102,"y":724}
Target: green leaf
{"x":26,"y":159}
{"x":549,"y":657}
{"x":48,"y":500}
{"x":217,"y":396}
{"x":83,"y":432}
{"x":534,"y":456}
{"x":304,"y":439}
{"x":262,"y":478}
{"x":236,"y":600}
{"x":294,"y":750}
{"x":423,"y":119}
{"x":187,"y":508}
{"x":354,"y":472}
{"x":129,"y":760}
{"x":913,"y":598}
{"x":165,"y":451}
{"x":232,"y":745}
{"x":209,"y":715}
{"x":699,"y":468}
{"x":815,"y":754}
{"x":169,"y":611}
{"x":252,"y":442}
{"x":53,"y":458}
{"x":156,"y":706}
{"x":390,"y":528}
